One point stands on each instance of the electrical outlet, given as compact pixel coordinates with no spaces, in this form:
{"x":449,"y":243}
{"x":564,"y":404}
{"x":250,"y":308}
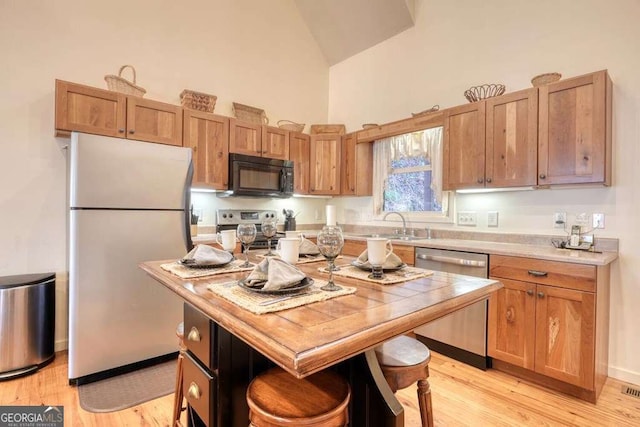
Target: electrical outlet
{"x":598,"y":220}
{"x":317,"y":215}
{"x":467,"y":218}
{"x":492,"y":218}
{"x":582,"y":219}
{"x":559,"y":219}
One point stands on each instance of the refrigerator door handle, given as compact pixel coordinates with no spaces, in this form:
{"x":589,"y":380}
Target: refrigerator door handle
{"x":188,"y":243}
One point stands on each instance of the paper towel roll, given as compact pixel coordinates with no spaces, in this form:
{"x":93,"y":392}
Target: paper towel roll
{"x":331,"y":215}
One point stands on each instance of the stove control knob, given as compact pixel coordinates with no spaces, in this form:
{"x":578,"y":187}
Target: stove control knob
{"x":224,"y":215}
{"x":230,"y":215}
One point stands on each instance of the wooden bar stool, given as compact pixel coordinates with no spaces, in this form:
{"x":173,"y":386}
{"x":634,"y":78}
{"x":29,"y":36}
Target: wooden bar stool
{"x":277,"y":398}
{"x":178,"y":396}
{"x":404,"y":361}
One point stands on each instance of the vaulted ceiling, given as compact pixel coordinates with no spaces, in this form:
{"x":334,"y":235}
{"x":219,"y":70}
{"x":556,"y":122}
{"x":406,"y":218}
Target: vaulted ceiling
{"x":344,"y":28}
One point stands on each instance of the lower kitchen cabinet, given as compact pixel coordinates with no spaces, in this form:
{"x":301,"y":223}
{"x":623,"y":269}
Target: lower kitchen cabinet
{"x":550,"y":323}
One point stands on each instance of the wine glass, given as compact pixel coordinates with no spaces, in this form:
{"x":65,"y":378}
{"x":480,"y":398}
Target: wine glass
{"x":330,"y":242}
{"x":246,"y":235}
{"x":269,"y":229}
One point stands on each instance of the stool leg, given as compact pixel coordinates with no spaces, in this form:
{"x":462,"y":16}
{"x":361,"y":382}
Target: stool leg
{"x":424,"y":401}
{"x":178,"y":396}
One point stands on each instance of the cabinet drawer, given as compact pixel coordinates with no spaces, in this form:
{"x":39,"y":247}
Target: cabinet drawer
{"x":200,"y":336}
{"x":555,"y":273}
{"x":199,"y":388}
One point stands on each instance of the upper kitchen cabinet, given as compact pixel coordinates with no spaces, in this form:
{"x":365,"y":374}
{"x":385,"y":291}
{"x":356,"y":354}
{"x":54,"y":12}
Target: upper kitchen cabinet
{"x":208,"y":136}
{"x":299,"y":155}
{"x":103,"y":112}
{"x":254,"y":139}
{"x":245,"y":138}
{"x":90,"y":110}
{"x":154,"y":121}
{"x":357,"y":164}
{"x":492,"y":143}
{"x":464,"y":147}
{"x":324,"y":158}
{"x":275,"y":143}
{"x":512,"y":140}
{"x":574,"y":141}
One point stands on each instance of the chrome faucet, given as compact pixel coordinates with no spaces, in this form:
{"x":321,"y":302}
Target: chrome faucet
{"x":404,"y":221}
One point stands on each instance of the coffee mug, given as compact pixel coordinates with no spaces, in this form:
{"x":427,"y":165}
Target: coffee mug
{"x":226,"y":239}
{"x":295,"y":234}
{"x":378,"y":250}
{"x":289,"y":249}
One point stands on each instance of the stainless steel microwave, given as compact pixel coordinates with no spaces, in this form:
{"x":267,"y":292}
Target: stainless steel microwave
{"x":259,"y":177}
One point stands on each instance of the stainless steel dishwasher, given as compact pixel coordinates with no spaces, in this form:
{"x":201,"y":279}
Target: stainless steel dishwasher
{"x":462,"y":334}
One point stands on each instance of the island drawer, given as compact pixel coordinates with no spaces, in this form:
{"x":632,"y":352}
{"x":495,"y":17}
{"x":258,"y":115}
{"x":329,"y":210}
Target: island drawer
{"x":199,"y":388}
{"x":554,"y":273}
{"x":200,"y":336}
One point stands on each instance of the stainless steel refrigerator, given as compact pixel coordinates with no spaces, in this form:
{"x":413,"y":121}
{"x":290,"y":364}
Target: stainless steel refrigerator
{"x":128,"y":203}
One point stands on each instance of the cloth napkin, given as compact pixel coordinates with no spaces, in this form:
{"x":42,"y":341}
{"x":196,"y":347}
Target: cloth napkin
{"x":307,"y":247}
{"x":274,"y":274}
{"x":392,"y":261}
{"x":204,"y":254}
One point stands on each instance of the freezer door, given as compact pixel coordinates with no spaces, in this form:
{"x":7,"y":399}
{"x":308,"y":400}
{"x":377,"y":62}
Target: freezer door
{"x":117,"y":314}
{"x":109,"y":172}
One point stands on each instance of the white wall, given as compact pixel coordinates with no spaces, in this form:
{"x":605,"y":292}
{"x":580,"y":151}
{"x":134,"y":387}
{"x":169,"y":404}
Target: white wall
{"x":462,"y":43}
{"x":250,"y":51}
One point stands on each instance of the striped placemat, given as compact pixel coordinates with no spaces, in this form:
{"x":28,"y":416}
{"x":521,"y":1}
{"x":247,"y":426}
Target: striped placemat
{"x":390,"y":278}
{"x":192,"y":273}
{"x":268,"y":303}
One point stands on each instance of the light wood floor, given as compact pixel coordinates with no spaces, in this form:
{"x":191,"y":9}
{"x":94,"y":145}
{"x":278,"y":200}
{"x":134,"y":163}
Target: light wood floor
{"x":462,"y":396}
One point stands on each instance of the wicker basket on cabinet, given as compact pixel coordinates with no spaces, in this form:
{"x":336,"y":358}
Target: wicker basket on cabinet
{"x":122,"y":85}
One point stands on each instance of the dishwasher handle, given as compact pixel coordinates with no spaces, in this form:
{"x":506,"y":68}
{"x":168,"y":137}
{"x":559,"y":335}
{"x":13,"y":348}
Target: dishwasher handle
{"x":452,"y":260}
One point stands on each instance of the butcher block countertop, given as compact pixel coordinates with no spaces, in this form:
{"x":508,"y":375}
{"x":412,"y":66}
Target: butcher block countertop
{"x":309,"y":338}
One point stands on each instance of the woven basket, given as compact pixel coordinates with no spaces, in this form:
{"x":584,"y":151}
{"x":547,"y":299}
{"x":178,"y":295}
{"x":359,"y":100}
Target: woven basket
{"x":250,"y":114}
{"x":477,"y":93}
{"x":122,"y":85}
{"x":322,"y":129}
{"x":289,"y":125}
{"x":545,"y":79}
{"x":198,"y":101}
{"x":423,"y":112}
{"x":370,"y":126}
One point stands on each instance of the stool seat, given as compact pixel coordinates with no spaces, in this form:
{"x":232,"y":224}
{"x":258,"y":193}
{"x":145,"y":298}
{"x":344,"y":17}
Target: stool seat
{"x":405,"y":361}
{"x":277,"y":398}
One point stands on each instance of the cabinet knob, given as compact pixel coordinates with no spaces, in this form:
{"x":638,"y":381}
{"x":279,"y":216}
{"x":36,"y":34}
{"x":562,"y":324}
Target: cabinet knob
{"x":543,"y":176}
{"x":480,"y":180}
{"x":529,"y":292}
{"x":121,"y":130}
{"x":132,"y":131}
{"x":540,"y":294}
{"x":194,"y":334}
{"x":488,"y":180}
{"x":194,"y":391}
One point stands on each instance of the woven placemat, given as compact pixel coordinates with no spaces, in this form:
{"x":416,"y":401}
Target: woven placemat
{"x":191,"y":273}
{"x":251,"y":301}
{"x":390,"y":278}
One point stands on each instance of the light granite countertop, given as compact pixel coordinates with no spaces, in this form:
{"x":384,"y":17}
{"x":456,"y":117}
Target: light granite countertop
{"x":520,"y":245}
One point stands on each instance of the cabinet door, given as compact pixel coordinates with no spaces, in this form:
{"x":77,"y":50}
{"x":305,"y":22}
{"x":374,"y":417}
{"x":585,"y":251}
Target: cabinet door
{"x":324,"y":157}
{"x":208,"y":136}
{"x":565,"y":335}
{"x":91,"y":110}
{"x":245,"y":138}
{"x":511,"y":324}
{"x":512,"y":139}
{"x":299,"y":155}
{"x":464,"y":147}
{"x":349,"y":166}
{"x":275,"y":143}
{"x":574,"y":141}
{"x":154,"y":121}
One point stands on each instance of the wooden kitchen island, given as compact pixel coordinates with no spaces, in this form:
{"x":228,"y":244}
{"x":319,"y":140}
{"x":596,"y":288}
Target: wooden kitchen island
{"x":338,"y":334}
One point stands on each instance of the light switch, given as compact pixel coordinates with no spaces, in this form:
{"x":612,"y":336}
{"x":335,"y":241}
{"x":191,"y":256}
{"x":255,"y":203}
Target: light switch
{"x":492,"y":218}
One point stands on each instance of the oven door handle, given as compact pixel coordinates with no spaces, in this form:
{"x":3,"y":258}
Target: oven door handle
{"x":450,"y":260}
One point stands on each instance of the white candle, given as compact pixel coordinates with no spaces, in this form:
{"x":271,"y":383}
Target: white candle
{"x":331,"y":215}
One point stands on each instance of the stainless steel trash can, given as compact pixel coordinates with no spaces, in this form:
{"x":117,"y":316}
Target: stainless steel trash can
{"x":27,"y":323}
